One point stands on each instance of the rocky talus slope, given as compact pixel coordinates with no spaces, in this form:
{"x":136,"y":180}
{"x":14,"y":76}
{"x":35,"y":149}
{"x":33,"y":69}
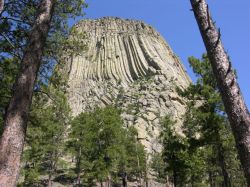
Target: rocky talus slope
{"x":127,"y":63}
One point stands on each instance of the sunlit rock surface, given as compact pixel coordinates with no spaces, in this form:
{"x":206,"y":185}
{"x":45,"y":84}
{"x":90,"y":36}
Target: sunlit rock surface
{"x":129,"y":64}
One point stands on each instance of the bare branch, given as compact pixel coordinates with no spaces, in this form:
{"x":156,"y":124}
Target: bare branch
{"x":14,"y":19}
{"x":208,"y":17}
{"x":45,"y":93}
{"x":8,"y":40}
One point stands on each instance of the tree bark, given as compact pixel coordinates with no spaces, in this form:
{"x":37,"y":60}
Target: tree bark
{"x":79,"y":167}
{"x":210,"y":177}
{"x":222,"y":164}
{"x":78,"y":182}
{"x":50,"y":181}
{"x":108,"y":183}
{"x":167,"y":181}
{"x":1,"y":6}
{"x":12,"y":140}
{"x":124,"y":180}
{"x":174,"y":179}
{"x":235,"y":106}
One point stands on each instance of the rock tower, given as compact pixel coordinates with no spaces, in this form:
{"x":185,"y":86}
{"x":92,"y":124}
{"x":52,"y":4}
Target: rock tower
{"x":129,"y":64}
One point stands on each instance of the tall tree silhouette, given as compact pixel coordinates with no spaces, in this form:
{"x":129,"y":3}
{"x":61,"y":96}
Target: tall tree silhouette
{"x":28,"y":27}
{"x":230,"y":91}
{"x":12,"y":140}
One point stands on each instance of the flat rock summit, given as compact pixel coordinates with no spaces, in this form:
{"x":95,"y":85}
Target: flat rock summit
{"x":127,"y":64}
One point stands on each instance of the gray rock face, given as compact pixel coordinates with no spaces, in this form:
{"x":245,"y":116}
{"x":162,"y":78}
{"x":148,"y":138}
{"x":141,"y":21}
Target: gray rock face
{"x":129,"y":64}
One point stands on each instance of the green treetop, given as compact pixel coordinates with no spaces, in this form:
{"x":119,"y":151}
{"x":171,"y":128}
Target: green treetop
{"x":46,"y":133}
{"x":104,"y":150}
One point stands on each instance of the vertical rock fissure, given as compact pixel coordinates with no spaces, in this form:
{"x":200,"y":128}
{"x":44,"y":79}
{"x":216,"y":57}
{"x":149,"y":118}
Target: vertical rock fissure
{"x":128,"y":63}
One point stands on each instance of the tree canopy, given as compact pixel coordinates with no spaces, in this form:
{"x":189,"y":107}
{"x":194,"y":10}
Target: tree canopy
{"x":204,"y":152}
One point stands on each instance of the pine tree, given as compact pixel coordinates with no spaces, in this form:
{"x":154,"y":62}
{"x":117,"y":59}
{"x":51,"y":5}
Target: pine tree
{"x":206,"y":125}
{"x":105,"y":151}
{"x":46,"y":135}
{"x":204,"y":152}
{"x":26,"y":28}
{"x":158,"y":166}
{"x":175,"y":152}
{"x":8,"y":71}
{"x":133,"y":161}
{"x":235,"y":107}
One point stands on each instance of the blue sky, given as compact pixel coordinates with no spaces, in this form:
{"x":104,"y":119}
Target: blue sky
{"x":174,"y":20}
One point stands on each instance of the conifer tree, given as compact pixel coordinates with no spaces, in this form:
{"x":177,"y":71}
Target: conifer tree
{"x":103,"y":149}
{"x":47,"y":130}
{"x":8,"y":71}
{"x":133,"y":161}
{"x":235,"y":107}
{"x":95,"y":140}
{"x":25,"y":28}
{"x":204,"y":152}
{"x":206,"y":125}
{"x":175,"y":152}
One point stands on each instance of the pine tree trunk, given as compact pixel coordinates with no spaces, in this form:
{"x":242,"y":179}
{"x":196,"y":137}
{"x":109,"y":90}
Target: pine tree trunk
{"x":146,"y":183}
{"x":211,"y":179}
{"x":231,"y":95}
{"x":78,"y":182}
{"x":222,"y":164}
{"x":79,"y":167}
{"x":109,"y":181}
{"x":50,"y":180}
{"x":140,"y":180}
{"x":167,"y":181}
{"x":1,"y":6}
{"x":12,"y":140}
{"x":175,"y":179}
{"x":124,"y":183}
{"x":124,"y":180}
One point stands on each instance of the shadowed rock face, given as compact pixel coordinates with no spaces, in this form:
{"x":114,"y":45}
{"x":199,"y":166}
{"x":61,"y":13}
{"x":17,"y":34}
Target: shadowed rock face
{"x":129,"y":64}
